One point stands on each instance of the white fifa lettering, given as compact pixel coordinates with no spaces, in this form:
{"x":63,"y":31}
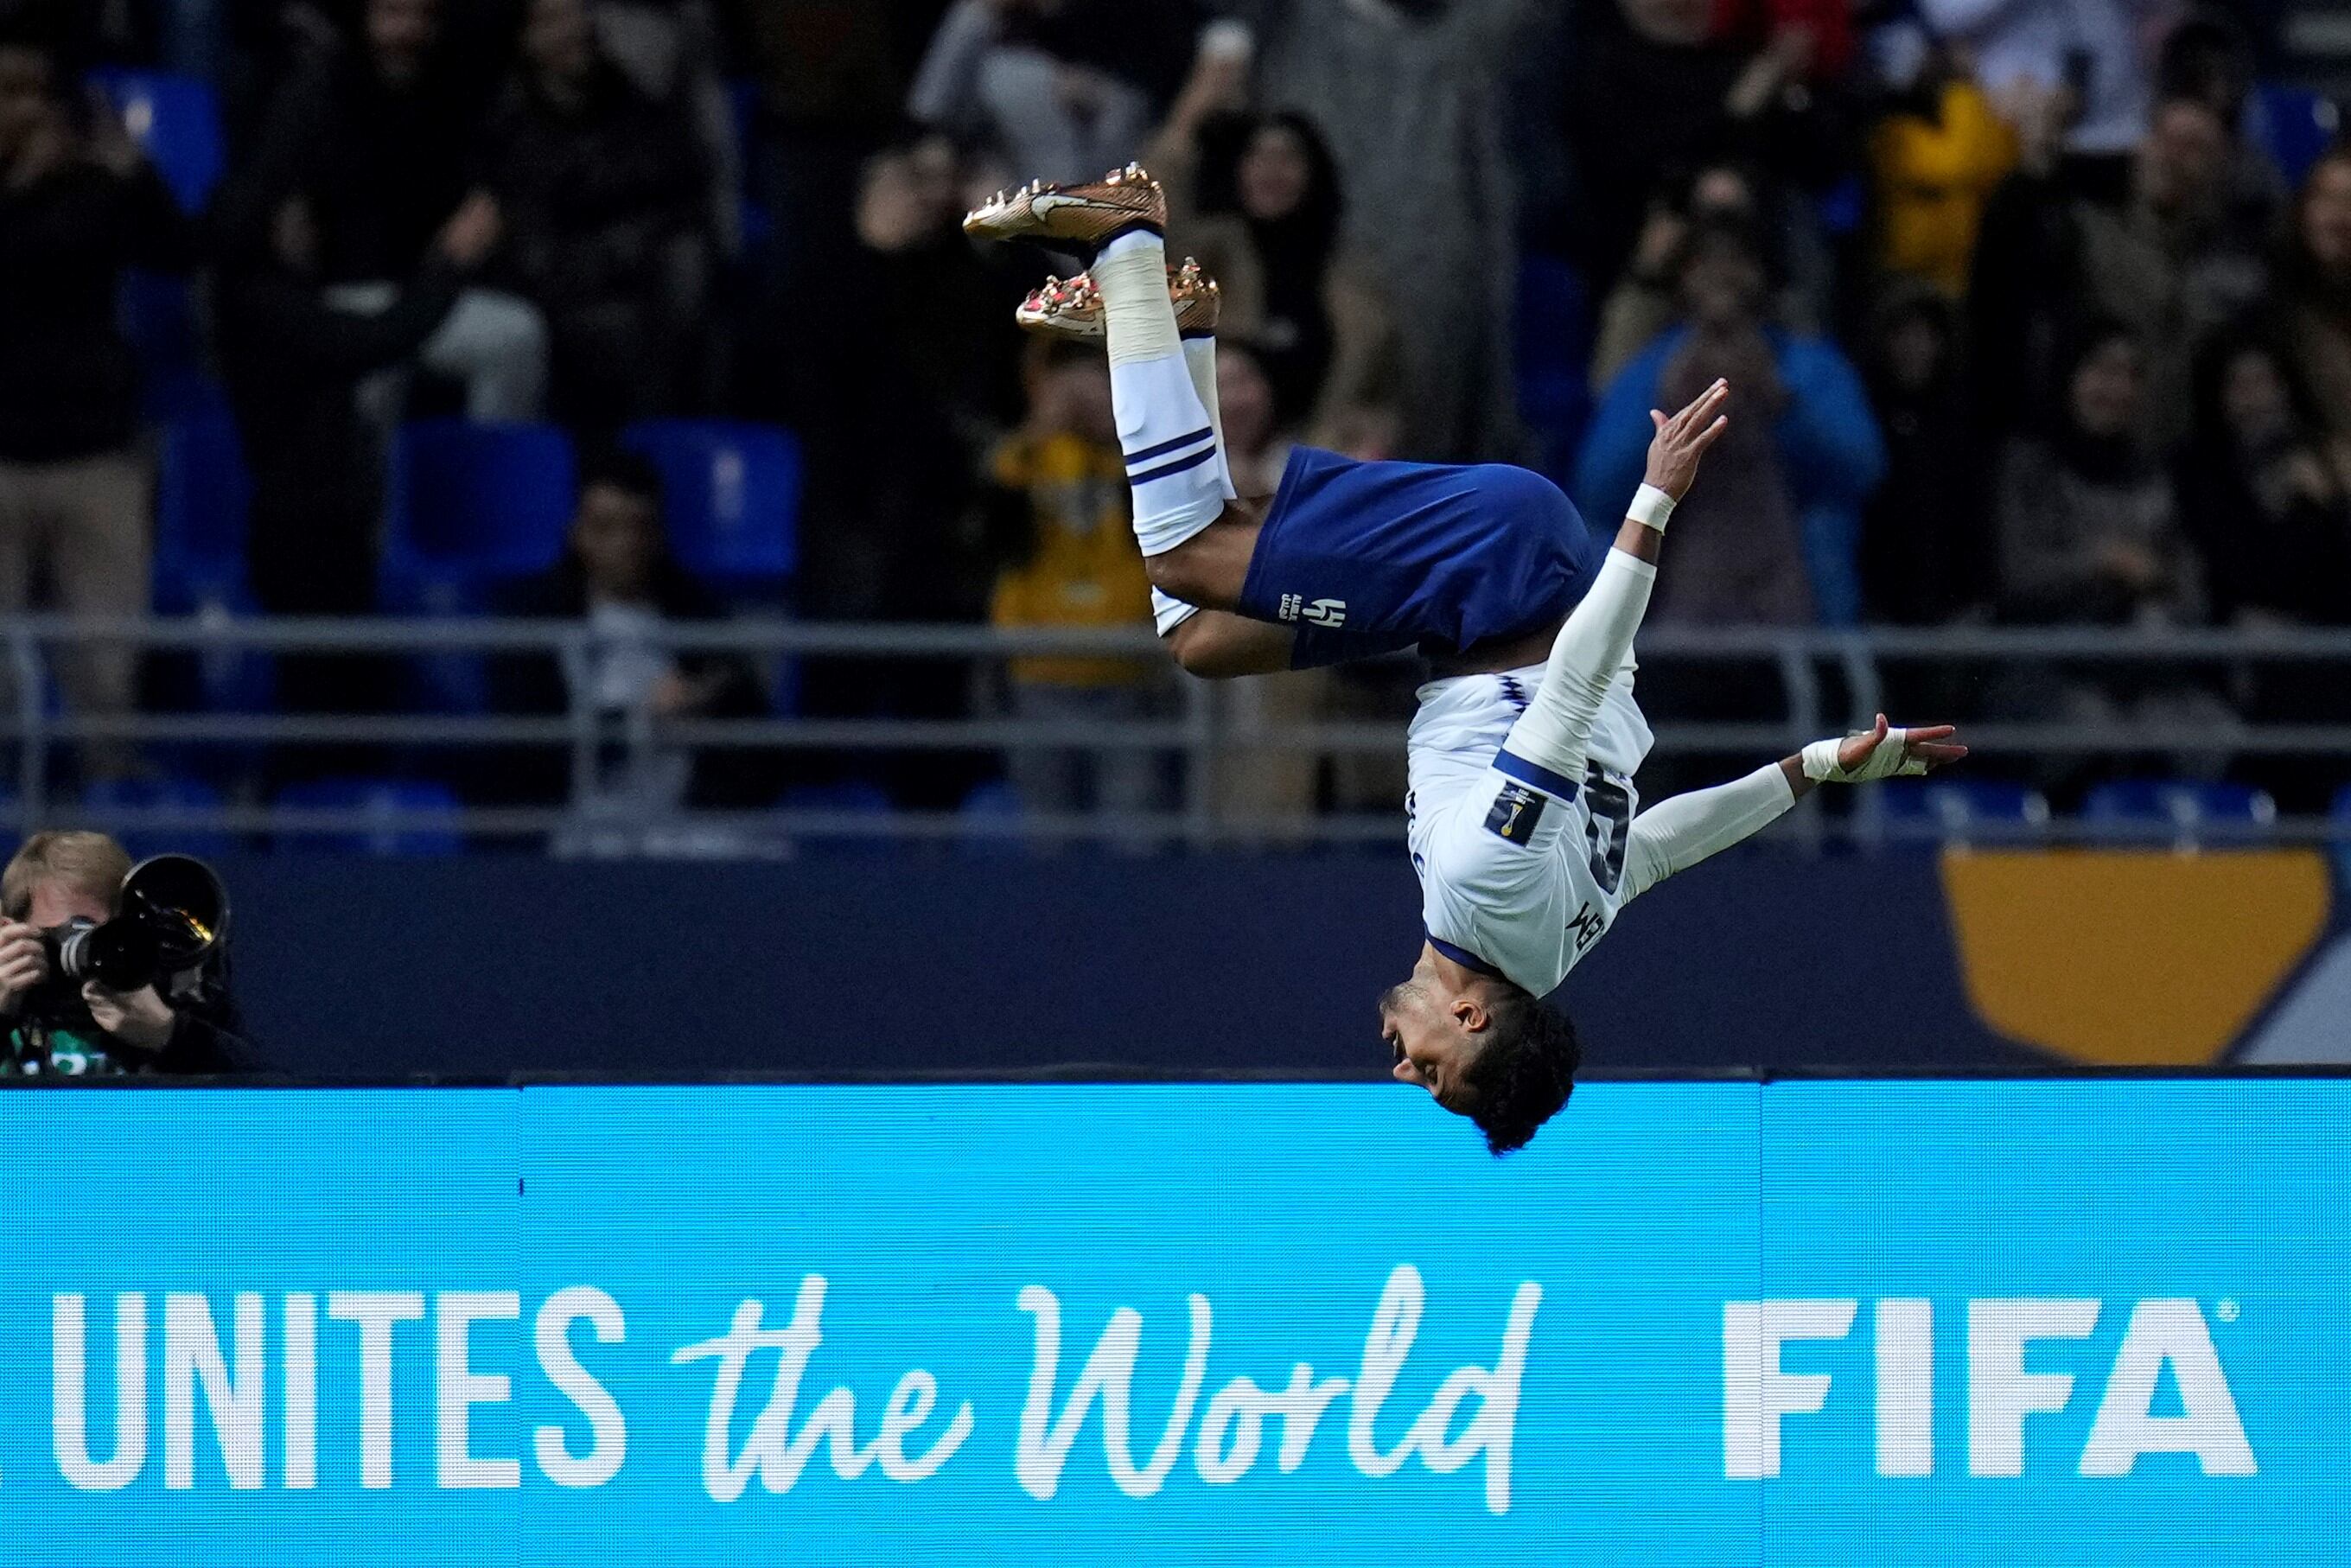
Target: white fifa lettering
{"x":1755,"y":1392}
{"x":2000,"y":1393}
{"x":2172,"y":1329}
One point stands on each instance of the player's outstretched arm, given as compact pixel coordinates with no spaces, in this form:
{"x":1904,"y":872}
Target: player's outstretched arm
{"x":1676,"y":833}
{"x":1546,"y":747}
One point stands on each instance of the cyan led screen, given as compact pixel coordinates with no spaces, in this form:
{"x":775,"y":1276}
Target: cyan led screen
{"x":1810,"y":1324}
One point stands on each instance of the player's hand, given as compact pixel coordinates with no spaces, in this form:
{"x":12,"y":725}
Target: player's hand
{"x":24,"y":964}
{"x":139,"y":1018}
{"x":1923,"y":751}
{"x":1682,"y":440}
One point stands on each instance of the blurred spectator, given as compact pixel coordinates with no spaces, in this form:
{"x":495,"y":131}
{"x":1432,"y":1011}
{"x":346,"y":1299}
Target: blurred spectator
{"x":1647,"y":298}
{"x":897,"y":428}
{"x":294,"y":364}
{"x":1936,"y":158}
{"x":1771,"y":537}
{"x":1926,"y":554}
{"x":671,"y":51}
{"x":2265,"y":507}
{"x":2087,"y":49}
{"x":78,"y":205}
{"x":1256,"y":443}
{"x":1405,"y":91}
{"x":2087,"y":528}
{"x":2183,"y":255}
{"x":1270,"y":780}
{"x":1071,"y":560}
{"x":1830,"y":22}
{"x":1058,"y":89}
{"x":1257,"y":199}
{"x":2271,"y":515}
{"x":379,"y":134}
{"x":1650,"y":93}
{"x":830,"y":80}
{"x":2209,"y":59}
{"x":2312,"y":306}
{"x":2089,"y":535}
{"x":619,"y":576}
{"x":605,"y":198}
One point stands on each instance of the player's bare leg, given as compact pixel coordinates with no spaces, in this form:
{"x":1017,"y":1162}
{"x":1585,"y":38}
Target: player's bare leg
{"x":1197,"y":543}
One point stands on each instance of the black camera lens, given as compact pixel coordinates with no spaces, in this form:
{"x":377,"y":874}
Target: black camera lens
{"x":121,"y":955}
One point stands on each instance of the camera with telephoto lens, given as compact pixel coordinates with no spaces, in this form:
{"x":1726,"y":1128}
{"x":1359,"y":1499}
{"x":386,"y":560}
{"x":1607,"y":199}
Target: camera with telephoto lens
{"x":173,"y":912}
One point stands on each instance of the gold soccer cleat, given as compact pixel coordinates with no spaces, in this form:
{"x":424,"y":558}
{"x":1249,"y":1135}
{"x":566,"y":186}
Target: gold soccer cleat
{"x":1073,"y":308}
{"x":1073,"y":214}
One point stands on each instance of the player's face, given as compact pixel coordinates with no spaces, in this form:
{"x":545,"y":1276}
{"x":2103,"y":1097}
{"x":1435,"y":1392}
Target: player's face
{"x":1427,"y":1043}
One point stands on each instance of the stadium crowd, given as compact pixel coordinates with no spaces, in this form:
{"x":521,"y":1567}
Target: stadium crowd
{"x":2041,"y":311}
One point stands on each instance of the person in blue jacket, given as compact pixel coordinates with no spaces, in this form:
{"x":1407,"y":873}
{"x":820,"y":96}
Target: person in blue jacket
{"x":1773,"y":537}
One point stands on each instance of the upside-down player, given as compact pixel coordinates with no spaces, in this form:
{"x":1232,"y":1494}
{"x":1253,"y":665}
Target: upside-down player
{"x":1521,"y":813}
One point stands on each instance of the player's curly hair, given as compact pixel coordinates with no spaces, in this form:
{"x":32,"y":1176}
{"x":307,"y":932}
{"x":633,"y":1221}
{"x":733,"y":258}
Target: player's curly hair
{"x":1525,"y":1070}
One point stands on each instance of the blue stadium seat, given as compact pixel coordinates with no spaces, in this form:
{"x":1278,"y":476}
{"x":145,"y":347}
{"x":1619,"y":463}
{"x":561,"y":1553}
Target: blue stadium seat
{"x":733,"y":492}
{"x":2298,"y":126}
{"x":1966,"y":808}
{"x":846,"y":796}
{"x":163,"y":792}
{"x":994,"y":803}
{"x":157,"y":313}
{"x":1554,"y":317}
{"x":203,"y":497}
{"x":759,"y":223}
{"x":473,"y":505}
{"x":378,"y":798}
{"x":177,"y":120}
{"x":1554,"y":353}
{"x":2185,"y":814}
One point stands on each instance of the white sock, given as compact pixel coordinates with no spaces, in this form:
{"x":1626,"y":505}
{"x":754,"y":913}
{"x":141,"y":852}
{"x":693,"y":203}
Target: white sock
{"x":1200,"y":358}
{"x":1170,"y":441}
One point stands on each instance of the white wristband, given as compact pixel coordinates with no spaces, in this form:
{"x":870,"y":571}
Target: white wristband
{"x":1650,"y":508}
{"x":1887,"y":760}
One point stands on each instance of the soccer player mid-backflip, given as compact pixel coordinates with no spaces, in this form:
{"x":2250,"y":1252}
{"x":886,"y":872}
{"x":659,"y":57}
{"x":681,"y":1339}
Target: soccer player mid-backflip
{"x":1522,"y":813}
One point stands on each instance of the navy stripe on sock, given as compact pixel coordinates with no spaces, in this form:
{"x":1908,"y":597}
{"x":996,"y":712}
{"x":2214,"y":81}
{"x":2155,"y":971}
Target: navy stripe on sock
{"x":1557,"y":785}
{"x":1178,"y":466}
{"x":1165,"y":447}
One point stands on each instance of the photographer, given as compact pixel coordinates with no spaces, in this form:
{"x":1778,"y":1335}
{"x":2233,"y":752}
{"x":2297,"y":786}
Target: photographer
{"x":182,"y":1023}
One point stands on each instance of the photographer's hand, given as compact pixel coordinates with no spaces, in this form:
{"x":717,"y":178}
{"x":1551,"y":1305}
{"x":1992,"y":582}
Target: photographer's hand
{"x":24,"y":964}
{"x":140,"y":1019}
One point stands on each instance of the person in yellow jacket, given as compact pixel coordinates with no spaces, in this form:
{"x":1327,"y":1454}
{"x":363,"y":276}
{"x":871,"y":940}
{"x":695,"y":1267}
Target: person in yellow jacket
{"x":1933,"y":167}
{"x":1073,"y":561}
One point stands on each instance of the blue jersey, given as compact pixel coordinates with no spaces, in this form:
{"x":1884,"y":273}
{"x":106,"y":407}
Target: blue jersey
{"x":1363,"y":557}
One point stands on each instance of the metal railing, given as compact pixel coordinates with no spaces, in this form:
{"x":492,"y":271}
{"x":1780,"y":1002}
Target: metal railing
{"x":1825,"y":680}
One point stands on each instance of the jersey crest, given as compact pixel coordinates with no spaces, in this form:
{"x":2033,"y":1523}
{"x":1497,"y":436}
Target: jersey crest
{"x":1516,"y":812}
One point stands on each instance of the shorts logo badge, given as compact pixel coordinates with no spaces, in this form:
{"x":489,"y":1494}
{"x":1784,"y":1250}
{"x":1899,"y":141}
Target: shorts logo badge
{"x":1515,"y":813}
{"x":1326,"y":612}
